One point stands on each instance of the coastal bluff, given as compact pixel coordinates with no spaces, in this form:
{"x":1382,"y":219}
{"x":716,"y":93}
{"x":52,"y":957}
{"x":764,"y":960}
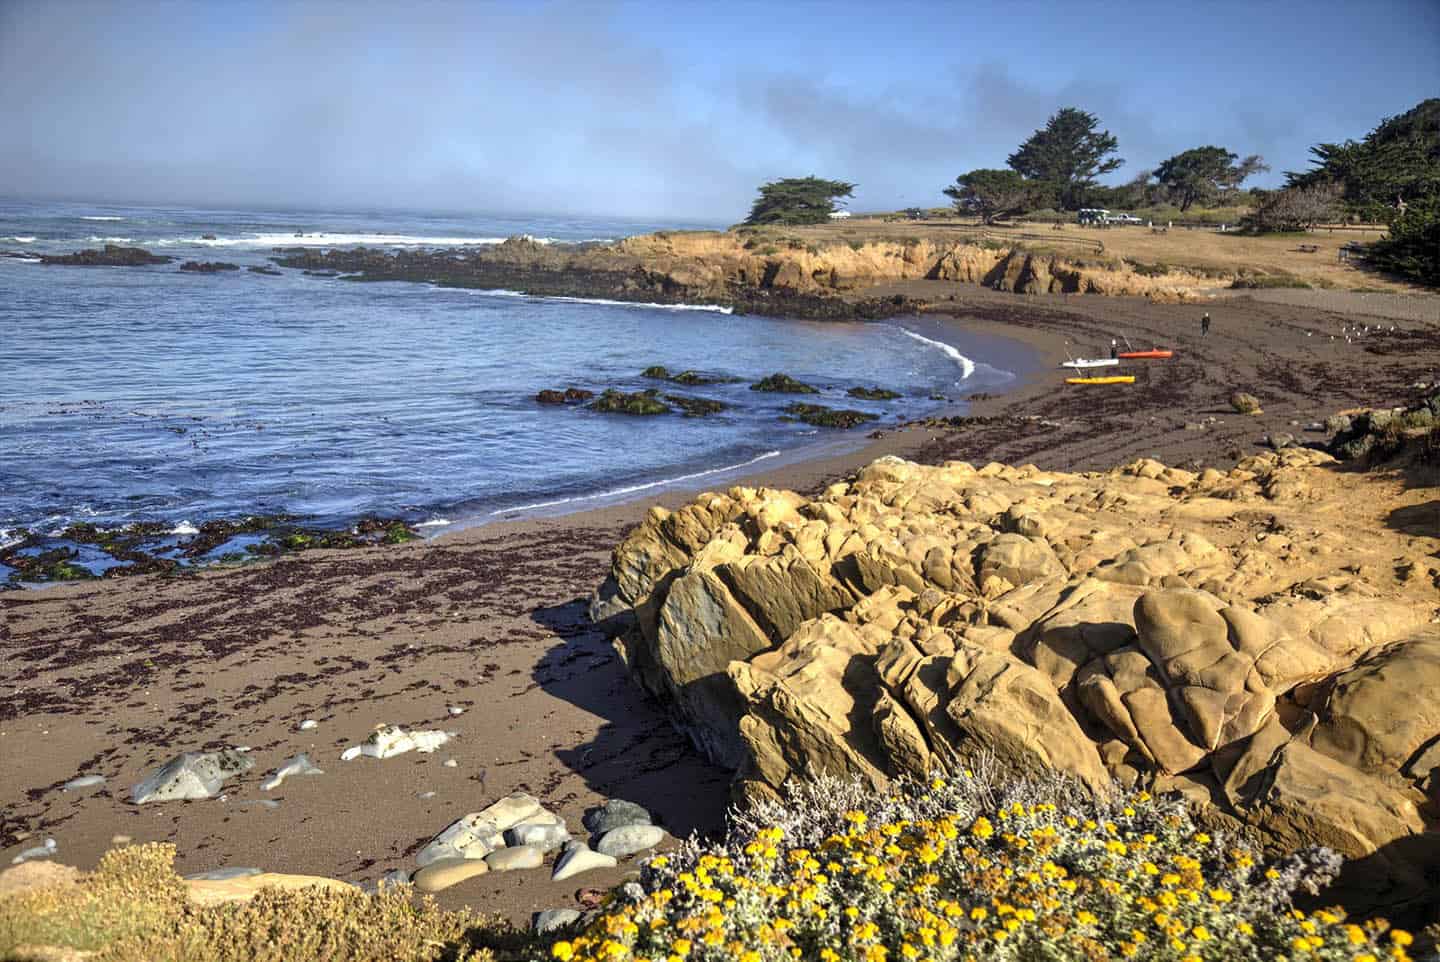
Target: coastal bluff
{"x":1253,"y":640}
{"x":753,"y":273}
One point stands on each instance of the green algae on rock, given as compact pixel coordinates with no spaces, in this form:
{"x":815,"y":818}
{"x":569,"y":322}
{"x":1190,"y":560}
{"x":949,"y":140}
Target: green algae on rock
{"x":821,"y":416}
{"x":695,"y":407}
{"x":781,"y":383}
{"x":639,"y":403}
{"x":873,"y":393}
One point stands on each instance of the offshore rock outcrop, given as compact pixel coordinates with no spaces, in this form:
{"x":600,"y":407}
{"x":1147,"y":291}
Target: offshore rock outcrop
{"x":112,"y":255}
{"x":1242,"y":638}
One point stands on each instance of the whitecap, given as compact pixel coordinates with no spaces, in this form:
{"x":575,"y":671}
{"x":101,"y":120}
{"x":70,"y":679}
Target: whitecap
{"x":634,"y":488}
{"x":434,"y":523}
{"x":21,"y":240}
{"x":967,"y":366}
{"x":100,"y":217}
{"x":185,"y":528}
{"x":23,"y":260}
{"x":111,"y":240}
{"x":605,"y":302}
{"x":334,"y":240}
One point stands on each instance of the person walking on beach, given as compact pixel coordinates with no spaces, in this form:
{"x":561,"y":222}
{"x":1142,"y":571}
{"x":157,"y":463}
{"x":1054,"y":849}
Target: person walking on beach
{"x":1114,"y":349}
{"x":1205,"y":324}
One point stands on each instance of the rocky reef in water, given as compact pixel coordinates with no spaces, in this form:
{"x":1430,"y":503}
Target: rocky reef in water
{"x":112,"y":255}
{"x":1250,"y":640}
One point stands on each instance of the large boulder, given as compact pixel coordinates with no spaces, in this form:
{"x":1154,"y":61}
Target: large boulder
{"x":1382,"y":713}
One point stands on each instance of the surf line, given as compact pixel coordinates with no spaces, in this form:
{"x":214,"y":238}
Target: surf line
{"x":632,"y":489}
{"x":967,"y":366}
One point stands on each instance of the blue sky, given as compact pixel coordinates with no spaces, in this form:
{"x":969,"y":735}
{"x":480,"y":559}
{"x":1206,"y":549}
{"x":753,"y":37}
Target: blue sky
{"x":663,"y":109}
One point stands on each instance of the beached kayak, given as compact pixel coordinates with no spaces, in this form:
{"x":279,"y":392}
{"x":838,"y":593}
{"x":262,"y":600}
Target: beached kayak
{"x":1155,"y":352}
{"x":1081,"y":362}
{"x":1110,"y":379}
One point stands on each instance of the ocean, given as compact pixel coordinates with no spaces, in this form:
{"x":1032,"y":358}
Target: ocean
{"x":144,"y":394}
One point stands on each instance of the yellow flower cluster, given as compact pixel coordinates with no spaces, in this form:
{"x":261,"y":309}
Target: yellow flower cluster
{"x":1021,"y":881}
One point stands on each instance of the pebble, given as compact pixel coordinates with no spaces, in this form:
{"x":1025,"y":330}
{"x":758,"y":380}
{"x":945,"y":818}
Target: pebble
{"x":299,"y":765}
{"x":309,"y":724}
{"x":455,"y":710}
{"x":521,"y":856}
{"x":630,"y":839}
{"x":614,"y":814}
{"x":552,"y":919}
{"x":579,"y":858}
{"x":450,"y":763}
{"x":121,"y":839}
{"x":443,"y":873}
{"x":425,"y":795}
{"x":84,"y":781}
{"x":40,"y":851}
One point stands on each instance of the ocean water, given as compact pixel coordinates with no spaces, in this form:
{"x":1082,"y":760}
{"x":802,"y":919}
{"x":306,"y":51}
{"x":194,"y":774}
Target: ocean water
{"x":147,"y":394}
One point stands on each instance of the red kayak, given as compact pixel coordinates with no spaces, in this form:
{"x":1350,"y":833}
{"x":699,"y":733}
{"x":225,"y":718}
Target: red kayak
{"x":1154,"y":352}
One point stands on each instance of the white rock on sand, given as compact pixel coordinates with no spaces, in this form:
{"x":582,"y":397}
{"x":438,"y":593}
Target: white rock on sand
{"x":190,"y":776}
{"x":630,"y":839}
{"x":84,"y":781}
{"x":299,"y":765}
{"x":391,"y":740}
{"x":46,"y":850}
{"x":443,"y":873}
{"x":478,"y":834}
{"x":579,"y":858}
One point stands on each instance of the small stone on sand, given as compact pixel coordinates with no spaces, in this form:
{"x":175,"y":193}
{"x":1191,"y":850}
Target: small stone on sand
{"x":521,"y":856}
{"x":84,"y":781}
{"x":440,"y":875}
{"x":299,"y":765}
{"x":552,"y":919}
{"x":614,"y":814}
{"x":579,"y":858}
{"x":630,"y":839}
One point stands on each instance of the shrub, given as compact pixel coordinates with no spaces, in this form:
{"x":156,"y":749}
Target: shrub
{"x":134,"y":908}
{"x":971,"y":867}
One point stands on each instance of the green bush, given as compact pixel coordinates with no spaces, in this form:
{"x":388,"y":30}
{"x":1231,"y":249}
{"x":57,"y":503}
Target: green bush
{"x":134,"y":908}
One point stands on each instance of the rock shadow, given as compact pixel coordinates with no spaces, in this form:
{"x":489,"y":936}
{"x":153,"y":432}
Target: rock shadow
{"x":1417,"y":520}
{"x":637,"y":754}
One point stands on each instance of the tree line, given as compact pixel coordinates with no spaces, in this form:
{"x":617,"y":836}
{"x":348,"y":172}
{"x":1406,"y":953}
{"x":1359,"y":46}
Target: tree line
{"x":1391,"y":176}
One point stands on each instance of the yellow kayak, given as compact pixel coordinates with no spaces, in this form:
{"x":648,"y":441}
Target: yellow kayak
{"x":1113,"y":379}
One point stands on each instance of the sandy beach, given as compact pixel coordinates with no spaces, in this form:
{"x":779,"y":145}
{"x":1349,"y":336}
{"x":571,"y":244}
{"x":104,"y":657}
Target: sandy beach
{"x":115,"y":677}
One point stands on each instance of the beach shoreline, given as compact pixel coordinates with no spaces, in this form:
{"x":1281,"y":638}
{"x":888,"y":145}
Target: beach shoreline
{"x":116,"y":677}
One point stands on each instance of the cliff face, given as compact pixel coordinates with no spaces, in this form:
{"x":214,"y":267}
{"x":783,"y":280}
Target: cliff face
{"x":1241,"y":638}
{"x":747,"y":272}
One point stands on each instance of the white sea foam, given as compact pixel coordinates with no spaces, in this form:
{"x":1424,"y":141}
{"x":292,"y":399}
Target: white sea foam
{"x":713,"y":308}
{"x":111,"y":240}
{"x":23,"y":260}
{"x":21,"y":240}
{"x":8,"y":538}
{"x":335,"y":240}
{"x":100,"y":217}
{"x":635,"y":488}
{"x":967,"y":366}
{"x":185,"y":528}
{"x":435,"y":523}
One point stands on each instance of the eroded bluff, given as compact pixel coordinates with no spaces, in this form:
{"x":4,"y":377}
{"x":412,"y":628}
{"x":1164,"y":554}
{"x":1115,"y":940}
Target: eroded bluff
{"x":1256,"y":639}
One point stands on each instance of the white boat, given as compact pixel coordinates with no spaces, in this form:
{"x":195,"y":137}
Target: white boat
{"x":1084,"y":362}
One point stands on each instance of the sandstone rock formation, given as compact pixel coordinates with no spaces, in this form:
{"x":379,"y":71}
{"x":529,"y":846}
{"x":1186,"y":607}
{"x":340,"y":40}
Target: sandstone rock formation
{"x":1243,"y":637}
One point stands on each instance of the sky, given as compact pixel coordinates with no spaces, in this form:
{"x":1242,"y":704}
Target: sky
{"x":666,"y":110}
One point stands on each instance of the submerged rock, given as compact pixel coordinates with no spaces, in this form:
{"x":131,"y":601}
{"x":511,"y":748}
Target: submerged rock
{"x":686,"y":377}
{"x":783,"y":384}
{"x":695,"y":407}
{"x":821,"y":416}
{"x":191,"y":776}
{"x":111,"y":256}
{"x":639,"y":403}
{"x":392,"y":740}
{"x":209,"y":267}
{"x":874,"y":394}
{"x":571,"y":395}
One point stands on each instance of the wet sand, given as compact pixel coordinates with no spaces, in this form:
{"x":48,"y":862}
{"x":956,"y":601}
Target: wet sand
{"x":116,"y":677}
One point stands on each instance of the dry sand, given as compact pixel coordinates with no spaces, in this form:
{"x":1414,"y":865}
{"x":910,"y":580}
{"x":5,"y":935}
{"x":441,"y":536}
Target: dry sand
{"x":116,"y":677}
